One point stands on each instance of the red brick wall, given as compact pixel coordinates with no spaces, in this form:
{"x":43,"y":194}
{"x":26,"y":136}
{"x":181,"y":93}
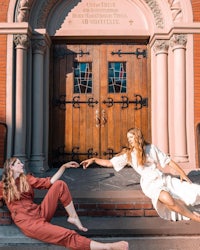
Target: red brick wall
{"x":96,"y":207}
{"x":3,"y":10}
{"x":196,"y":10}
{"x":196,"y":18}
{"x":3,"y":41}
{"x":3,"y":52}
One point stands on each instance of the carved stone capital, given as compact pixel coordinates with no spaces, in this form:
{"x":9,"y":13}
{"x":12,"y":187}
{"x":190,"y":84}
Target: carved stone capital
{"x":21,"y":41}
{"x":178,"y":40}
{"x":161,"y":46}
{"x":39,"y":46}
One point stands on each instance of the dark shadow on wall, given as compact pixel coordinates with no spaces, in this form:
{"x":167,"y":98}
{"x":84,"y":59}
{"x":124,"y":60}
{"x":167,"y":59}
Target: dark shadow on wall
{"x":195,"y":174}
{"x":3,"y":142}
{"x":62,"y":63}
{"x":198,"y":142}
{"x":63,"y":8}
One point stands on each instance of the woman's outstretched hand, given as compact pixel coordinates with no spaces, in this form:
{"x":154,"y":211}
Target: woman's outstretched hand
{"x":86,"y":163}
{"x":61,"y":170}
{"x":71,"y":164}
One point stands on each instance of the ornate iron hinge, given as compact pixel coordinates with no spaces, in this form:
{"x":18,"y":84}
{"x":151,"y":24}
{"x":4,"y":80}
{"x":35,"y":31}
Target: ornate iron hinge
{"x":61,"y":52}
{"x":110,"y":152}
{"x":75,"y":153}
{"x":139,"y":102}
{"x":61,"y":102}
{"x":137,"y":53}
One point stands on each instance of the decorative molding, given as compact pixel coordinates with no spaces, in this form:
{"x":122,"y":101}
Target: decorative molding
{"x":161,"y":46}
{"x":21,"y":40}
{"x":153,"y":5}
{"x":178,"y":40}
{"x":44,"y":11}
{"x":24,"y":10}
{"x":24,"y":7}
{"x":175,"y":6}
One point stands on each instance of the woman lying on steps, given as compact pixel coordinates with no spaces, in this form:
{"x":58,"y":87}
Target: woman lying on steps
{"x":171,"y":197}
{"x":16,"y":189}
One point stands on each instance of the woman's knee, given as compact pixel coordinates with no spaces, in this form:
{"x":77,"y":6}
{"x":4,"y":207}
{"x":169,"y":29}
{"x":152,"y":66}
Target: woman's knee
{"x":61,"y":188}
{"x":59,"y":183}
{"x":166,"y":198}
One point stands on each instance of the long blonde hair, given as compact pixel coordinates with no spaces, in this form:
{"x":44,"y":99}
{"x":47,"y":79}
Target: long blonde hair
{"x":10,"y":190}
{"x":139,"y":147}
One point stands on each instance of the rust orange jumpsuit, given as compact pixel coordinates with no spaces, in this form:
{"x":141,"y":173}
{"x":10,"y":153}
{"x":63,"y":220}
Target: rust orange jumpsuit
{"x":34,"y":220}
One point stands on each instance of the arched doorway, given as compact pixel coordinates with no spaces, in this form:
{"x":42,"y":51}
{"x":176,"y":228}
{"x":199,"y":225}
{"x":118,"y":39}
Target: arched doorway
{"x":101,"y":84}
{"x":42,"y":25}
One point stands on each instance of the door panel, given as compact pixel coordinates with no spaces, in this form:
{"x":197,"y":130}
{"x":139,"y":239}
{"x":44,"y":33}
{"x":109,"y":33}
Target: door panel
{"x":98,"y":92}
{"x":121,"y":115}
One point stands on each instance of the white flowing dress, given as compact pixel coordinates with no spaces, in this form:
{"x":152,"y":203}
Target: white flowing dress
{"x":153,"y":181}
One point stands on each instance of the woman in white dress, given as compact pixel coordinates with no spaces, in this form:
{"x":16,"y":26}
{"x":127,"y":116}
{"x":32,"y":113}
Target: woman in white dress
{"x":173,"y":198}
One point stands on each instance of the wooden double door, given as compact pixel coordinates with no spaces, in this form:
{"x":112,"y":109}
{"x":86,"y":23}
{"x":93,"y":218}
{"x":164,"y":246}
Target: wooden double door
{"x":98,"y":92}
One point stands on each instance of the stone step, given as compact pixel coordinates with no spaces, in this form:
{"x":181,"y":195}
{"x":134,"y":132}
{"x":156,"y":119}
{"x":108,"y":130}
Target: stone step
{"x":108,"y":203}
{"x":98,"y":194}
{"x":141,"y":233}
{"x":96,"y":203}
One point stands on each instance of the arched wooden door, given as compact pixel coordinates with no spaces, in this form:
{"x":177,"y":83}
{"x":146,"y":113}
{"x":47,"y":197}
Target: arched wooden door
{"x":99,"y":91}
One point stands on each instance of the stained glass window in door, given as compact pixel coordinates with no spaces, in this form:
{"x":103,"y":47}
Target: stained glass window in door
{"x":82,"y":77}
{"x":117,"y":77}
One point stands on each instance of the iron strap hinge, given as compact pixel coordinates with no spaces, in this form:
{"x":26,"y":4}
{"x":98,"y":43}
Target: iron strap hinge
{"x":61,"y":52}
{"x":61,"y":102}
{"x":139,"y":102}
{"x":137,"y":53}
{"x":75,"y":152}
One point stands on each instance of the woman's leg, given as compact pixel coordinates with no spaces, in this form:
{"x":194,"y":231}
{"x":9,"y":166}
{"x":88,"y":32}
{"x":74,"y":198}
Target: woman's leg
{"x":177,"y":206}
{"x":120,"y":245}
{"x":73,"y":217}
{"x":49,"y":233}
{"x":60,"y":191}
{"x":62,"y":236}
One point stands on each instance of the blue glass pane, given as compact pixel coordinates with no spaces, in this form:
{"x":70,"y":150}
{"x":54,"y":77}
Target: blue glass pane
{"x":117,"y":77}
{"x":83,"y":77}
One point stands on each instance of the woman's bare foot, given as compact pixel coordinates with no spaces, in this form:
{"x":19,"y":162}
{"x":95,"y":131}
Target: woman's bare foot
{"x":195,"y":216}
{"x":120,"y":245}
{"x":75,"y":221}
{"x":196,"y":213}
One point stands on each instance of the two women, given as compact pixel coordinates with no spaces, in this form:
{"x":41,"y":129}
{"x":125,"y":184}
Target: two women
{"x":17,"y":190}
{"x":171,"y":196}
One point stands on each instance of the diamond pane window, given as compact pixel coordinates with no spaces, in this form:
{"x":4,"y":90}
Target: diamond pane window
{"x":117,"y":77}
{"x":82,"y":77}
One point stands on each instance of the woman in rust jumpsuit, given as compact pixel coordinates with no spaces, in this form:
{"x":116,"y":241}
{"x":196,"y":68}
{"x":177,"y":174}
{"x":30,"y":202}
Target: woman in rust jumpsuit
{"x":16,"y":189}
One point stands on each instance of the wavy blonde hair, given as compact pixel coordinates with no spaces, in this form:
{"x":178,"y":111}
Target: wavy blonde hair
{"x":10,"y":190}
{"x":139,"y":147}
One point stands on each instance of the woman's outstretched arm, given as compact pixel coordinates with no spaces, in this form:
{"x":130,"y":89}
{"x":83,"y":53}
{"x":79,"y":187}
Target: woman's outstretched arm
{"x":101,"y":162}
{"x":61,"y":170}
